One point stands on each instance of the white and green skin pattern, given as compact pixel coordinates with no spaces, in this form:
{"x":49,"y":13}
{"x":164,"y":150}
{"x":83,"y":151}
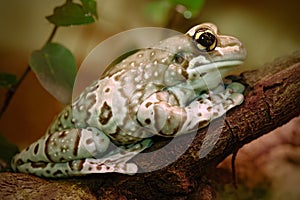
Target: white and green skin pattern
{"x":160,"y":90}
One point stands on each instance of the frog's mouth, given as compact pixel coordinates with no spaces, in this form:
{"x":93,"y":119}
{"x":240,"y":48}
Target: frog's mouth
{"x":221,"y":65}
{"x":216,"y":65}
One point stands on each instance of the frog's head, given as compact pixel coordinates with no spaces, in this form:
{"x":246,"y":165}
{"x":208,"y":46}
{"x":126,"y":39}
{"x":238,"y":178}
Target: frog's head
{"x":214,"y":55}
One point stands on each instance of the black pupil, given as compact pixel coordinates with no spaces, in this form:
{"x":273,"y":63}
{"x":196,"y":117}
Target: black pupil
{"x":206,"y":39}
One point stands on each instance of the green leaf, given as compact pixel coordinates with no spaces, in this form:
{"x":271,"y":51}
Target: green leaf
{"x":193,"y":6}
{"x":72,"y":14}
{"x":90,"y":6}
{"x":157,"y":11}
{"x":55,"y":68}
{"x":7,"y":80}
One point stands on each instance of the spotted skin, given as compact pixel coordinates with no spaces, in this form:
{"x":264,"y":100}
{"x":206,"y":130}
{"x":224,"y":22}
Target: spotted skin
{"x":170,"y":89}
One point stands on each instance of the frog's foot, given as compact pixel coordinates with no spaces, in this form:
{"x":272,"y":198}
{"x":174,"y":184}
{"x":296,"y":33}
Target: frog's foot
{"x":115,"y":161}
{"x":223,"y":101}
{"x":236,"y":87}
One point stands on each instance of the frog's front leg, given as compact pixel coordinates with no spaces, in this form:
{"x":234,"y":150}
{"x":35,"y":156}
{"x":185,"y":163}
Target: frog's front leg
{"x":162,"y":113}
{"x":75,"y":152}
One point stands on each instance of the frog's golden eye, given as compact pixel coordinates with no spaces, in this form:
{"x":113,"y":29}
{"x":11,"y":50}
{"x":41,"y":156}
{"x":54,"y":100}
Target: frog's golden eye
{"x":205,"y":40}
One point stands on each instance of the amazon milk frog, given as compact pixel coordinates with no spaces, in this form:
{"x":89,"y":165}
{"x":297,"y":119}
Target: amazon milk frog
{"x":168,"y":90}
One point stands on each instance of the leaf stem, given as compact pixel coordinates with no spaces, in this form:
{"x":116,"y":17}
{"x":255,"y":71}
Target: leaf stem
{"x":52,"y":34}
{"x":11,"y":92}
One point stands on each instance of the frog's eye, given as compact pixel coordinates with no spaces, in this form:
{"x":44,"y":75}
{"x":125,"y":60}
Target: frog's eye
{"x":205,"y":40}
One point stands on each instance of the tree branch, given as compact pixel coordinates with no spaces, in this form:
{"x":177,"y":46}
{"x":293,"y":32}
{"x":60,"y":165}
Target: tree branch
{"x":271,"y":100}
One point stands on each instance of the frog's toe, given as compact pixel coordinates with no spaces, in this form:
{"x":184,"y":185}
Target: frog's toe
{"x":236,"y":87}
{"x":235,"y":99}
{"x":140,"y":146}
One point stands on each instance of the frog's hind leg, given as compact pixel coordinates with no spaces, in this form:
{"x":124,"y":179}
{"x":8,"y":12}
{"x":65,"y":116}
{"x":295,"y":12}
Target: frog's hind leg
{"x":60,"y":147}
{"x":222,"y":101}
{"x":115,"y":161}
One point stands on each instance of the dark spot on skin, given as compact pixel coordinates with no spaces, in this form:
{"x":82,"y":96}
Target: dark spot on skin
{"x":148,"y":104}
{"x":90,"y":168}
{"x":106,"y":90}
{"x":39,"y":165}
{"x":89,"y":141}
{"x":19,"y":162}
{"x":209,"y":108}
{"x":75,"y":165}
{"x":62,"y":135}
{"x":215,"y":114}
{"x":27,"y":148}
{"x":203,"y":74}
{"x":47,"y":148}
{"x":62,"y":159}
{"x":201,"y":101}
{"x":148,"y":121}
{"x":105,"y":114}
{"x":117,"y":77}
{"x":58,"y":172}
{"x":199,"y":114}
{"x":76,"y":144}
{"x":36,"y":149}
{"x":67,"y":171}
{"x":48,"y":171}
{"x":99,"y":167}
{"x":107,"y":167}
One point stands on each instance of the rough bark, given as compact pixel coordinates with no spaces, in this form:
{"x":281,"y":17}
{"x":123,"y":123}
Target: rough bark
{"x":271,"y":100}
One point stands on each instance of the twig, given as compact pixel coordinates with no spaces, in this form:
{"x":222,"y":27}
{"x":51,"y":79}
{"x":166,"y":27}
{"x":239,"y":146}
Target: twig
{"x":11,"y":92}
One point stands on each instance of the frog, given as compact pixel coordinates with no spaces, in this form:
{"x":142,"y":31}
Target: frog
{"x":169,"y":89}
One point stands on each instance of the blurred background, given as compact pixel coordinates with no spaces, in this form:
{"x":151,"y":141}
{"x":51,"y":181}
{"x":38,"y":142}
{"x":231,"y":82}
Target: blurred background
{"x":267,"y":29}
